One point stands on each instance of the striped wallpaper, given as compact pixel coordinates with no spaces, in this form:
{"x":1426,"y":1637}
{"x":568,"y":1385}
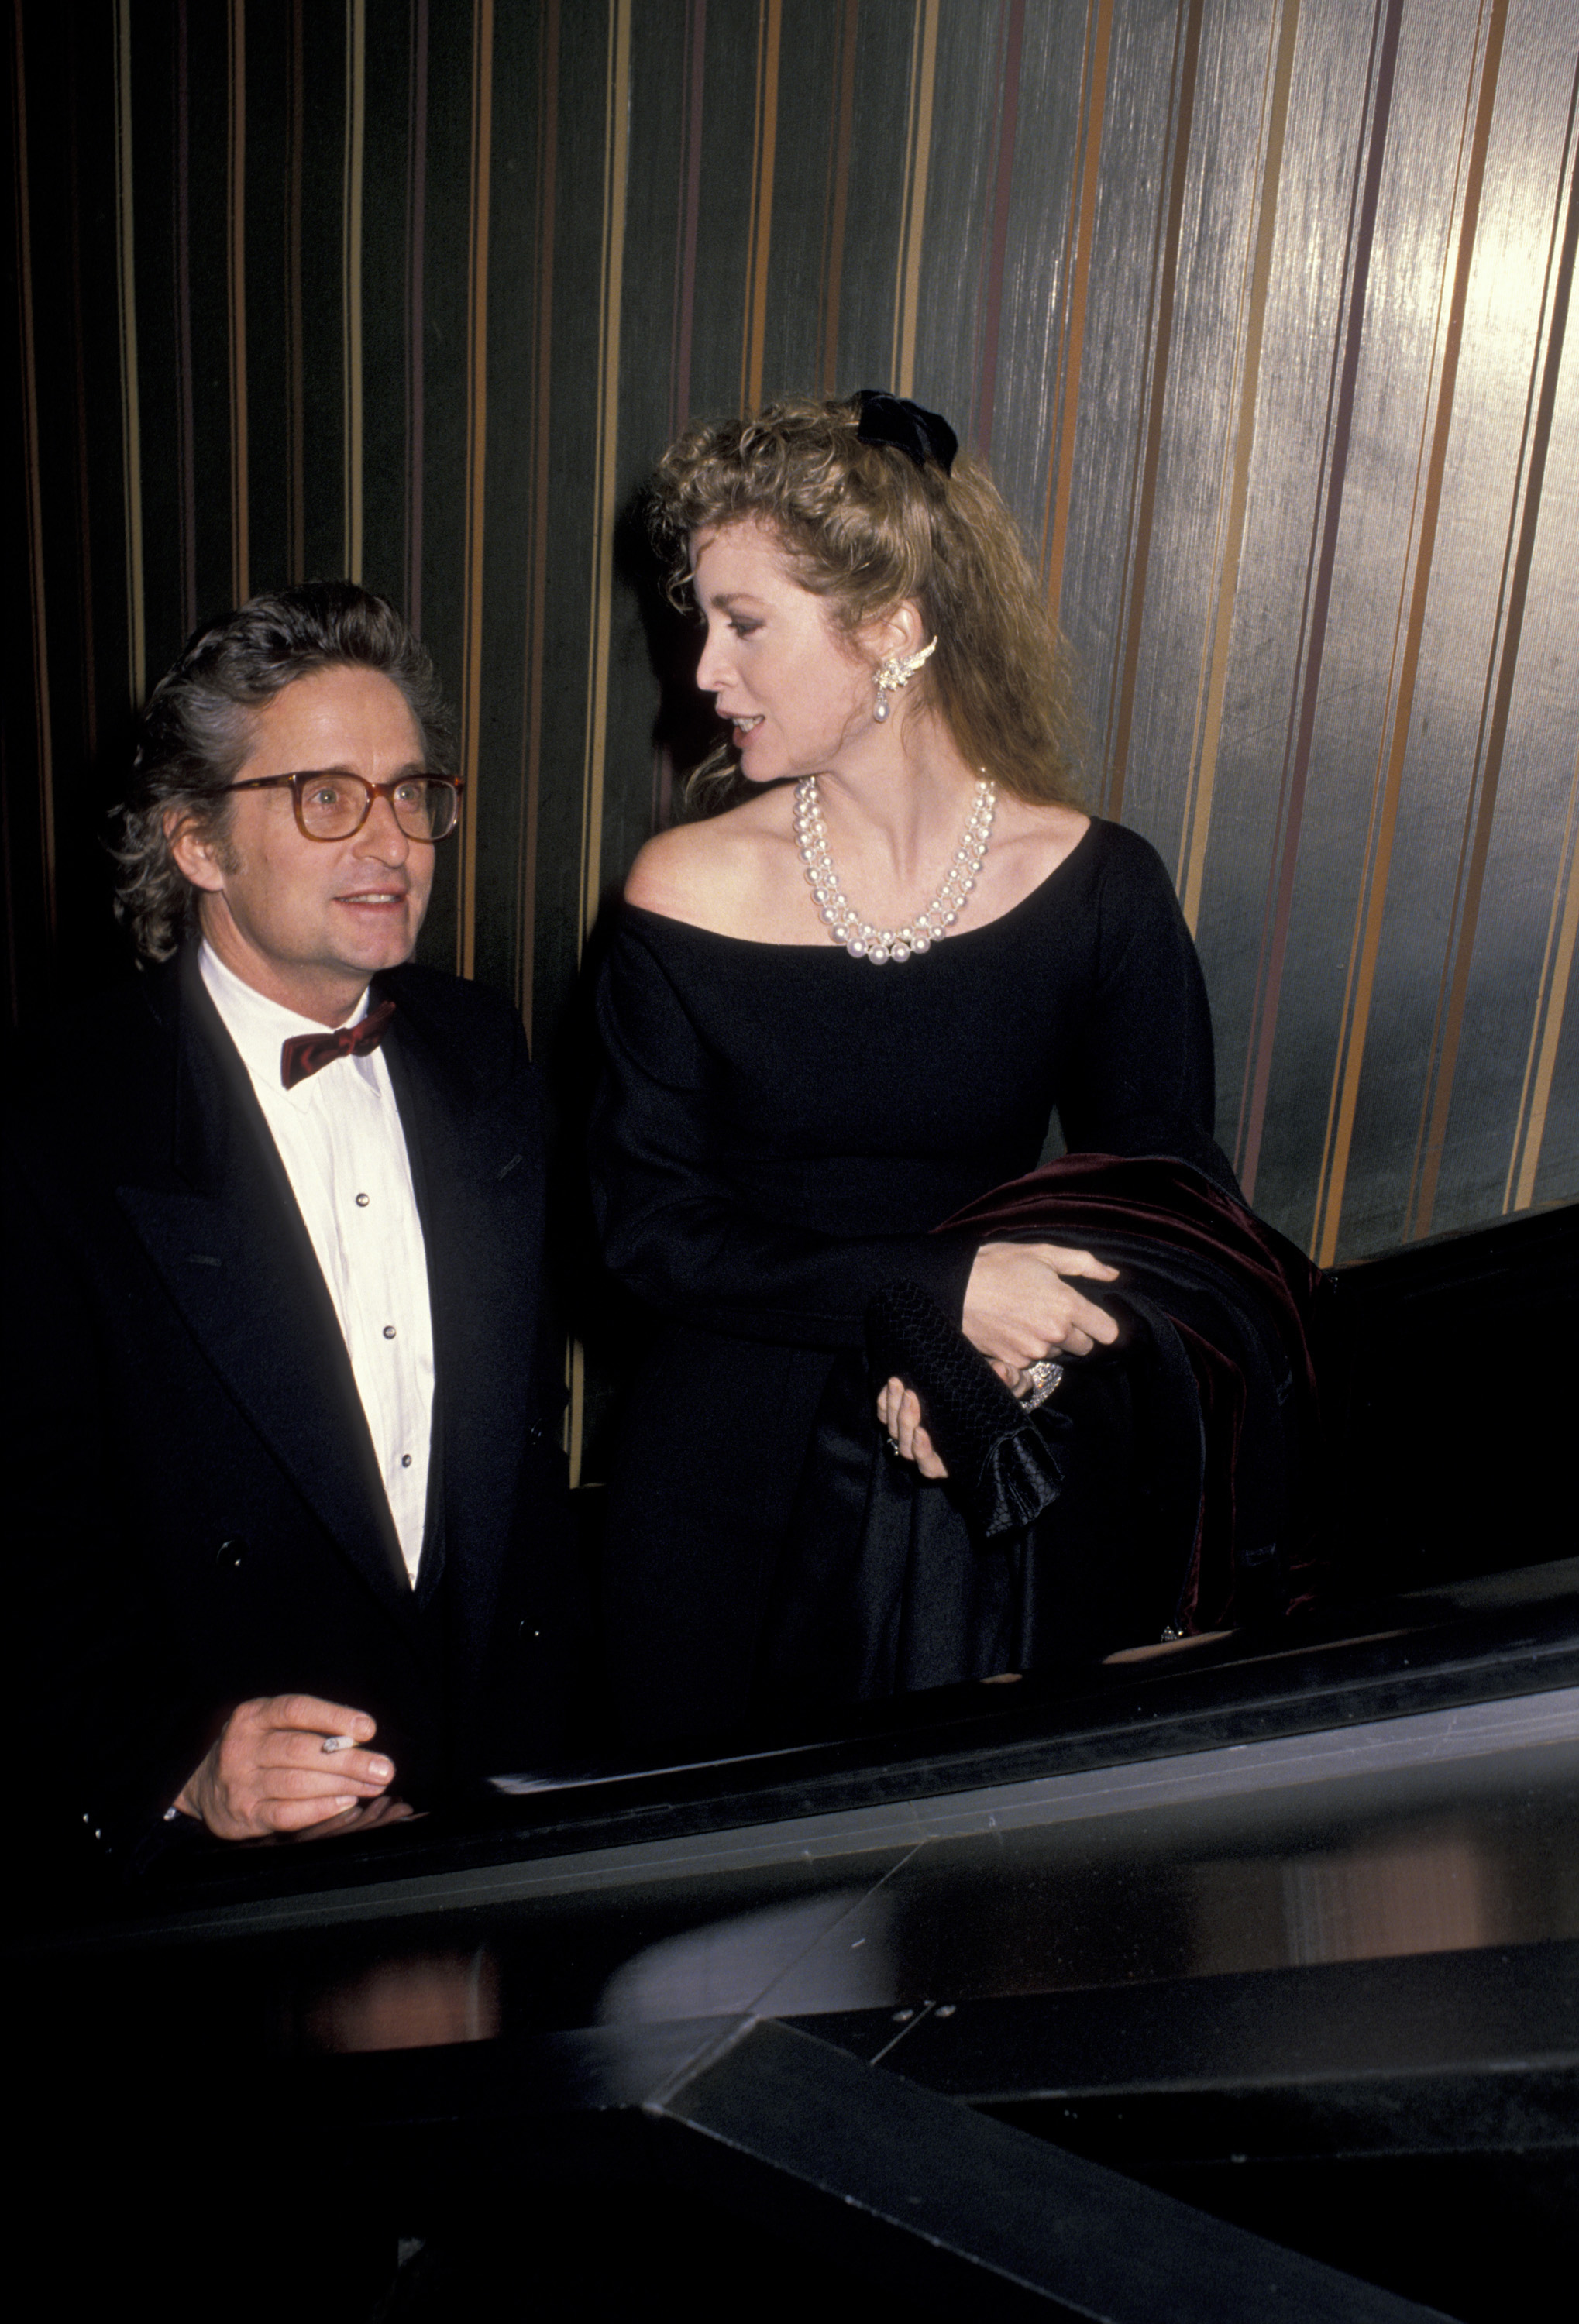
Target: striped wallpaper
{"x":1259,"y":309}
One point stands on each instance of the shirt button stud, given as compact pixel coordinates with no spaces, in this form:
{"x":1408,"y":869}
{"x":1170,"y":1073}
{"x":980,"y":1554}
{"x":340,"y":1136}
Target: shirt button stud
{"x":363,"y":1201}
{"x":405,"y":1460}
{"x":389,"y":1331}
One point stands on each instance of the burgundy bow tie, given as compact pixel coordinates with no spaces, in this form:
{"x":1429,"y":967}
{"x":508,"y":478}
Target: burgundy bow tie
{"x":308,"y":1053}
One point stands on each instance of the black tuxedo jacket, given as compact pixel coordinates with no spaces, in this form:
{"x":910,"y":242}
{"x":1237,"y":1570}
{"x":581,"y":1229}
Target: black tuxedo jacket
{"x":197,"y":1516}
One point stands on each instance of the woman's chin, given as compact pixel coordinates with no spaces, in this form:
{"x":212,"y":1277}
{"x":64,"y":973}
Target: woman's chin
{"x":758,"y":770}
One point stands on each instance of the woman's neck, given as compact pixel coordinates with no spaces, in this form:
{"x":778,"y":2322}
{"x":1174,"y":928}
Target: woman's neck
{"x":897,"y":805}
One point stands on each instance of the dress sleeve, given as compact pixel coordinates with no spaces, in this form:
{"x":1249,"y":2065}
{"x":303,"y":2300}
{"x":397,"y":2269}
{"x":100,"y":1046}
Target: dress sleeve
{"x":678,"y":1233}
{"x":1140,"y":1079}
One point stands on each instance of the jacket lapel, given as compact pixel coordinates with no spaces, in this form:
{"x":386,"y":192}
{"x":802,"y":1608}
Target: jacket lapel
{"x":471,"y":1174}
{"x":230,"y":1246}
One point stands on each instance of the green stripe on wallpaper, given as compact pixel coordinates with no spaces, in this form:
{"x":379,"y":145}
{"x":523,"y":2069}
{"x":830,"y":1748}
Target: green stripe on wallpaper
{"x":1234,"y":491}
{"x":1384,"y":819}
{"x":764,"y":151}
{"x":1369,"y":153}
{"x":130,"y":416}
{"x":240,"y":491}
{"x":295,"y":382}
{"x":1524,"y":518}
{"x":605,"y":473}
{"x":351,"y":273}
{"x":837,"y":202}
{"x":476,"y":451}
{"x":1556,"y":976}
{"x":409,"y":304}
{"x":1071,"y":309}
{"x":539,"y":436}
{"x":43,"y":772}
{"x":1165,"y":262}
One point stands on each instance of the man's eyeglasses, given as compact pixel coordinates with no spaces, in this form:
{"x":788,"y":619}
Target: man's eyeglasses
{"x":336,"y":806}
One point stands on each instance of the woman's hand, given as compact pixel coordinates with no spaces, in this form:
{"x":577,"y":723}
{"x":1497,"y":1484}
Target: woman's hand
{"x":1020,"y":1307}
{"x":899,"y":1413}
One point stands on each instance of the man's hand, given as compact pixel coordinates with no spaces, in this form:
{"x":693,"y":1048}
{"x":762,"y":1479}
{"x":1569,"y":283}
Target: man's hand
{"x":286,"y":1762}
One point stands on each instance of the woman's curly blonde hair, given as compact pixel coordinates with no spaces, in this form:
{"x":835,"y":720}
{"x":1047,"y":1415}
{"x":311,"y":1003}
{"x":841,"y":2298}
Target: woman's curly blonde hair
{"x":865,"y":528}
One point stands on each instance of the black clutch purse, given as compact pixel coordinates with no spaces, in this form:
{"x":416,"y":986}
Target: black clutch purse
{"x":1004,"y":1458}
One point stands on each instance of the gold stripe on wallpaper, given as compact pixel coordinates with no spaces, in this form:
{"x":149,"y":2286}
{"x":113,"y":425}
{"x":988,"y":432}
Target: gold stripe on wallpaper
{"x":351,"y":274}
{"x":1214,"y":670}
{"x":1546,"y":1027}
{"x":1392,"y":754}
{"x":476,"y":444}
{"x":35,"y":517}
{"x":131,"y":412}
{"x":918,"y":155}
{"x":1080,"y":233}
{"x":240,"y":490}
{"x":764,"y":151}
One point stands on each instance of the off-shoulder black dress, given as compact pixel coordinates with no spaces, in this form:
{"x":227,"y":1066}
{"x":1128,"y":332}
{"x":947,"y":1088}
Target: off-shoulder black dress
{"x":778,"y":1129}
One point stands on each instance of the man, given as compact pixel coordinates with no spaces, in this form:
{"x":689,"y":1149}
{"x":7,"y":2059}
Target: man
{"x":292,"y":1550}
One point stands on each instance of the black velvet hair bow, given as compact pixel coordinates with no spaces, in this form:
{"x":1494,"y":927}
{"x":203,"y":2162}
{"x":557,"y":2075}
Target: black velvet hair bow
{"x":894,"y":419}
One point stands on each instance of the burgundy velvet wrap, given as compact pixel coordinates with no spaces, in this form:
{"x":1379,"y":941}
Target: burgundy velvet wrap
{"x":1173,"y":1234}
{"x":1169,"y":1486}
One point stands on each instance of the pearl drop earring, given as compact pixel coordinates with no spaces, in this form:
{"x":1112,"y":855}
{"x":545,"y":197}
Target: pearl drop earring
{"x":895,"y":672}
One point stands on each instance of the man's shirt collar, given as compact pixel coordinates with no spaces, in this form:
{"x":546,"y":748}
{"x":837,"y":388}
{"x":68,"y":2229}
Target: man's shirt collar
{"x":261,"y":1027}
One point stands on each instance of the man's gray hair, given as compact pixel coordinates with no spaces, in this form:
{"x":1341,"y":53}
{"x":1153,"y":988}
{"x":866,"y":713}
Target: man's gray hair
{"x":196,"y":730}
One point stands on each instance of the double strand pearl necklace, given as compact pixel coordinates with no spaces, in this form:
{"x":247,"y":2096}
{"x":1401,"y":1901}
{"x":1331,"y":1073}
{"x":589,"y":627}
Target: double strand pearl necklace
{"x":860,"y":939}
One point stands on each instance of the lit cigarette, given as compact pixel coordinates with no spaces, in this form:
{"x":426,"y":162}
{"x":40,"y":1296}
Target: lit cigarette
{"x":340,"y":1742}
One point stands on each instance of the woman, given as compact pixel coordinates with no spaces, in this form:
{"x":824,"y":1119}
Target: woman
{"x":835,"y":1013}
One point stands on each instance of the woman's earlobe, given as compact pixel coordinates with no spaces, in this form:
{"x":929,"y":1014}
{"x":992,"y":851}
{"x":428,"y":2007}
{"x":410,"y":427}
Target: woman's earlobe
{"x":900,"y":634}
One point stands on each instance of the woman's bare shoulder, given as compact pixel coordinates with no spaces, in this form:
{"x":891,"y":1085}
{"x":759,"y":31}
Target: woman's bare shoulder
{"x":706,"y":873}
{"x":1034,"y":836}
{"x":1045,"y":823}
